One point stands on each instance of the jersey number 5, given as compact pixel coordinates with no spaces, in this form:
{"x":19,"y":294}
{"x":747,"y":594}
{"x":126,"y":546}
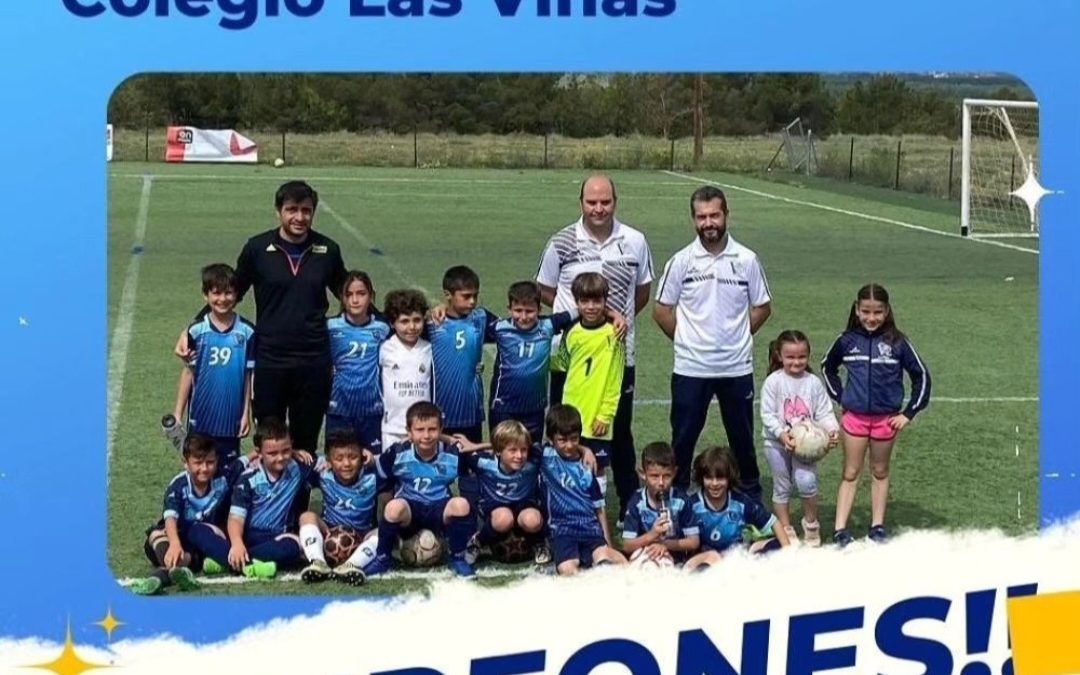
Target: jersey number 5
{"x":459,"y":340}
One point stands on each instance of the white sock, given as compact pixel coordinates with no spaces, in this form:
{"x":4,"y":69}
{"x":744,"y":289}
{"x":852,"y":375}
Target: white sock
{"x":602,"y":480}
{"x":364,"y":553}
{"x":312,"y":540}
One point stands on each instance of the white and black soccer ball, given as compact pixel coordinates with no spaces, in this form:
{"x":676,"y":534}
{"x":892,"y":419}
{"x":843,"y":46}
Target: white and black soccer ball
{"x":811,"y":440}
{"x":423,"y":549}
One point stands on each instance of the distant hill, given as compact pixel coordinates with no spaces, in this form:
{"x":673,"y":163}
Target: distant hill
{"x":955,"y":86}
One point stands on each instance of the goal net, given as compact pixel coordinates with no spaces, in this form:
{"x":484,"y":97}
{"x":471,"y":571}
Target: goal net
{"x":1000,"y":151}
{"x":799,"y":148}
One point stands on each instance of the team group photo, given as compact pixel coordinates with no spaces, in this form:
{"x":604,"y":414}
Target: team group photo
{"x":356,"y":378}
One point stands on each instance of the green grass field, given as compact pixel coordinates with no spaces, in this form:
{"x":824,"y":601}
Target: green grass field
{"x":970,"y":460}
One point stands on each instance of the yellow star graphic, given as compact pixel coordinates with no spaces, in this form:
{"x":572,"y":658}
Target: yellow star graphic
{"x":68,"y":663}
{"x":109,"y":623}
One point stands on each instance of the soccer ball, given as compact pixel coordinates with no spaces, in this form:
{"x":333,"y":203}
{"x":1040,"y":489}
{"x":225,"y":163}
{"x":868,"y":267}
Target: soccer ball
{"x":638,"y":560}
{"x":811,"y":440}
{"x":423,"y":549}
{"x":278,"y":163}
{"x":512,"y":549}
{"x":340,"y":544}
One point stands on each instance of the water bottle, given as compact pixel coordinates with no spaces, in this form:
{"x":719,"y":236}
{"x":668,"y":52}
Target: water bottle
{"x":665,"y":512}
{"x":174,"y":431}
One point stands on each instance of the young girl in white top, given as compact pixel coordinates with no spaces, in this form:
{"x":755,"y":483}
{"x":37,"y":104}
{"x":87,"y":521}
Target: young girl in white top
{"x":791,"y":393}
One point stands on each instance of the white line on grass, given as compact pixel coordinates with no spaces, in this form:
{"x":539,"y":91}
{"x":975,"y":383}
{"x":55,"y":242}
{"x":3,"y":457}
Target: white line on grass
{"x":386,"y":260}
{"x":389,"y":262}
{"x":125,"y":316}
{"x":933,"y":399}
{"x":846,"y":212}
{"x":412,"y":575}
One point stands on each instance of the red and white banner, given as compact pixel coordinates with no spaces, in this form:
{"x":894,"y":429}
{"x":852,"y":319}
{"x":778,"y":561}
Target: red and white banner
{"x":188,"y":144}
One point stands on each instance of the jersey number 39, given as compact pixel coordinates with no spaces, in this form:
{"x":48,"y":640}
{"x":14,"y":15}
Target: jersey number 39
{"x":219,"y":356}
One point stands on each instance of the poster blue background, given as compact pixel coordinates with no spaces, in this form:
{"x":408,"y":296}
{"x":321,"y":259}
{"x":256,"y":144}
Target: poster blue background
{"x":60,"y":71}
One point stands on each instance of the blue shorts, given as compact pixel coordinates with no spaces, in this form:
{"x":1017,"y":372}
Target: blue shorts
{"x":575,"y":547}
{"x":228,"y":449}
{"x":533,"y":421}
{"x":771,"y":545}
{"x":515,"y":507}
{"x":159,"y":526}
{"x":368,"y":429}
{"x":253,"y":538}
{"x":425,"y":517}
{"x":600,"y":448}
{"x":474,"y":433}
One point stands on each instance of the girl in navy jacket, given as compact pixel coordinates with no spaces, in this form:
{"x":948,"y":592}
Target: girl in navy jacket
{"x":875,"y":355}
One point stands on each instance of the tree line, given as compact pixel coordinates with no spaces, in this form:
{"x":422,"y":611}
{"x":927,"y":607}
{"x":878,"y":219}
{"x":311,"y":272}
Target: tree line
{"x":578,"y":106}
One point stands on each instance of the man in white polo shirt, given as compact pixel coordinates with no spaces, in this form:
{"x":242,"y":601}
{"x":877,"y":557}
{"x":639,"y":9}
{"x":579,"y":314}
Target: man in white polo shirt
{"x":713,"y":297}
{"x":598,"y":242}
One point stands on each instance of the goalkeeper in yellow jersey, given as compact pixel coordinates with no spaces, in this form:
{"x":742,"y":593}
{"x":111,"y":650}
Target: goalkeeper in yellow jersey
{"x":593,"y":357}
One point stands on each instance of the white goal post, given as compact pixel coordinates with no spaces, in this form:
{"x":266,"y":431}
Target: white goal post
{"x":1000,"y":150}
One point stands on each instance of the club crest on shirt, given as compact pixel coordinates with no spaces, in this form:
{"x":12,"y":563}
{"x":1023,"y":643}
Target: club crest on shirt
{"x":884,"y":349}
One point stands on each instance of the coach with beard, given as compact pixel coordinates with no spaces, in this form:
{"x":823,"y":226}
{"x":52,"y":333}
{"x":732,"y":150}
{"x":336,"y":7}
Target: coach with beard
{"x":712,"y":298}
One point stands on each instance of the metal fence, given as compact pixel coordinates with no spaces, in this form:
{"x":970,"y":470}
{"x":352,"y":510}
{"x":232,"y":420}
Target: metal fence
{"x":921,"y":164}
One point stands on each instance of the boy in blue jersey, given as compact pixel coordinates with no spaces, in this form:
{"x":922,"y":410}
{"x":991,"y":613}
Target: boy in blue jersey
{"x":579,"y":530}
{"x":457,"y":350}
{"x":195,"y":500}
{"x":356,"y":401}
{"x":423,"y":469}
{"x":659,"y":522}
{"x":519,"y":382}
{"x":457,"y":353}
{"x":215,"y":384}
{"x":508,"y":490}
{"x":348,"y":498}
{"x":723,"y":514}
{"x":258,"y":537}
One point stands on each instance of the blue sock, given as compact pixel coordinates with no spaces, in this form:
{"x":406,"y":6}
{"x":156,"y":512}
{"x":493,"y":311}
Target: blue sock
{"x":458,"y":532}
{"x":469,"y":489}
{"x":489,"y":535}
{"x":204,"y":539}
{"x":280,"y":551}
{"x":388,"y":537}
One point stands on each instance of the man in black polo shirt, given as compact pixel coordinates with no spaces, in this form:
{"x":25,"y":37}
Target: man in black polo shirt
{"x":291,"y":267}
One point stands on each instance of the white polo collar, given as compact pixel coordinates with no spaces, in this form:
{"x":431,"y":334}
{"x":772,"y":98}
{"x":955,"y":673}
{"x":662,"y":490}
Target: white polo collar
{"x":731,"y":249}
{"x":583,"y":235}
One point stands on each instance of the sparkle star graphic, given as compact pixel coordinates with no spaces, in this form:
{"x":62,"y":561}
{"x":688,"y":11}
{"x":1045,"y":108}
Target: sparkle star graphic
{"x":1031,"y":191}
{"x":23,"y":321}
{"x":69,"y":662}
{"x":109,"y":623}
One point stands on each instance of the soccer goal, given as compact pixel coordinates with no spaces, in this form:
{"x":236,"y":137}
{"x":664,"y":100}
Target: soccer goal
{"x":1000,"y":152}
{"x":798,"y":146}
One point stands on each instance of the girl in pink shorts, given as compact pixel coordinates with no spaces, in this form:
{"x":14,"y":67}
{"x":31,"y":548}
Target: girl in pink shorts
{"x":875,"y":355}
